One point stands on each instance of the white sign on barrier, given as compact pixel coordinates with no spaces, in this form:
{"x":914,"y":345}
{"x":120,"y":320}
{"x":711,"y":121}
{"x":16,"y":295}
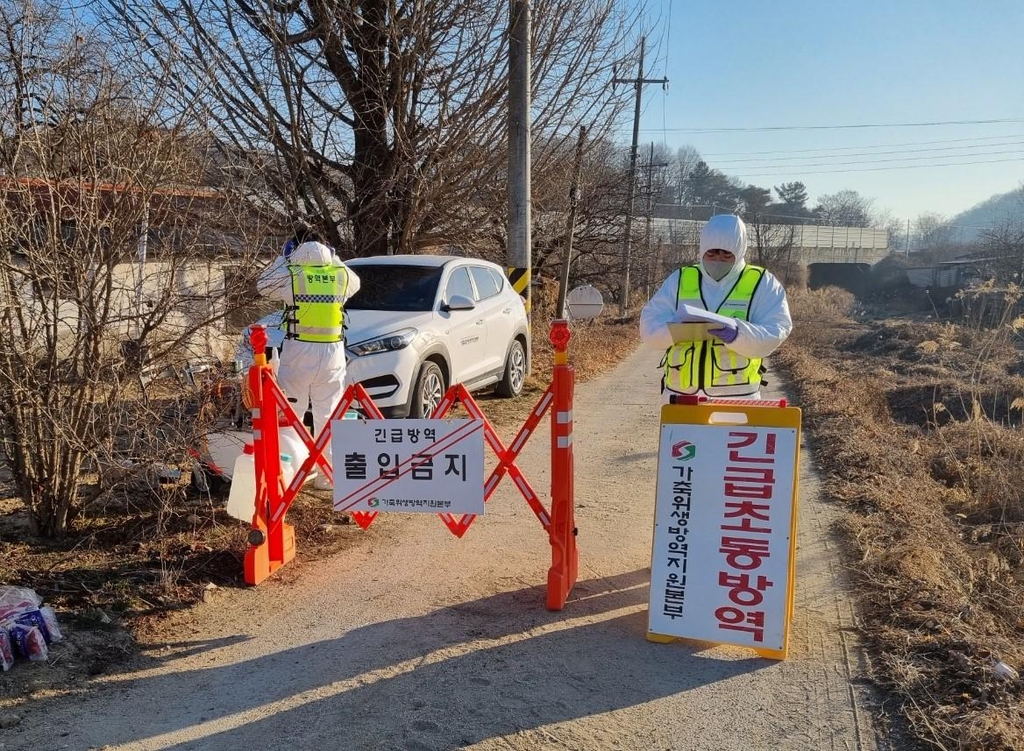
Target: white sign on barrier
{"x":432,"y":466}
{"x":721,"y":565}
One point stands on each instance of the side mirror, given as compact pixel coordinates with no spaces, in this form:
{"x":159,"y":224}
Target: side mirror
{"x":458,"y":302}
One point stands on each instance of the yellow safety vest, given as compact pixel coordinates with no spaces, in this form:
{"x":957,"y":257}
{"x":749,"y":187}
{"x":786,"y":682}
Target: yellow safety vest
{"x":318,"y":293}
{"x":710,"y":366}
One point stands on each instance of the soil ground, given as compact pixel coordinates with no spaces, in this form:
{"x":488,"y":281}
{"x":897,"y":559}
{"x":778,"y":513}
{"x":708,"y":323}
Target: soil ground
{"x":412,"y":639}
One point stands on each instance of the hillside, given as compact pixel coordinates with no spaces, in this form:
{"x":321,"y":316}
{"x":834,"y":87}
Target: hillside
{"x":991,"y":213}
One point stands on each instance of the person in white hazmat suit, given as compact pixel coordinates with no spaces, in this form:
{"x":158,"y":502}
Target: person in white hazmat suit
{"x":314,"y":284}
{"x":729,"y":364}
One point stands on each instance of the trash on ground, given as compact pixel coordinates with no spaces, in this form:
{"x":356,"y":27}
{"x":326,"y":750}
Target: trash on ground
{"x":27,"y":626}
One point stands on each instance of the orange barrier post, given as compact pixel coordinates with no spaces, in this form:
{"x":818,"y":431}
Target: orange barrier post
{"x":562,"y":532}
{"x":271,"y":543}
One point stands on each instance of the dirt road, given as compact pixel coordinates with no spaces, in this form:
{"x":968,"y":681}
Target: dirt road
{"x":414,"y":640}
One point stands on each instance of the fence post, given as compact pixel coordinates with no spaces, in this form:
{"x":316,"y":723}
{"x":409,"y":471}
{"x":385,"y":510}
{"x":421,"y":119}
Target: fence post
{"x":562,"y":534}
{"x":271,"y":544}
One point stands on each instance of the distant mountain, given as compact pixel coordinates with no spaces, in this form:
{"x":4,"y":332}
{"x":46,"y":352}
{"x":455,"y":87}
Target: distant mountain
{"x":990,"y":213}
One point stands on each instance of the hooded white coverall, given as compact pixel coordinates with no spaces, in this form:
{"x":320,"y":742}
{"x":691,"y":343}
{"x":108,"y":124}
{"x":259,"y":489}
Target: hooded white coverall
{"x":313,"y":371}
{"x":769,"y":321}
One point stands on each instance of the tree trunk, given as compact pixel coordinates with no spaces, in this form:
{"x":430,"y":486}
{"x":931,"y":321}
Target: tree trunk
{"x":373,"y":157}
{"x":369,"y":211}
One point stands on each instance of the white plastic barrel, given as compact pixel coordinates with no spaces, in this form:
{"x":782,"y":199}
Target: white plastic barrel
{"x":242,"y":497}
{"x":290,"y":443}
{"x":287,"y":471}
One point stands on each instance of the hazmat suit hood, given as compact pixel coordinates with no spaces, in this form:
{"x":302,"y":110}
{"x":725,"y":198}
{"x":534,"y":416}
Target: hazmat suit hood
{"x":312,"y":254}
{"x":724,"y":232}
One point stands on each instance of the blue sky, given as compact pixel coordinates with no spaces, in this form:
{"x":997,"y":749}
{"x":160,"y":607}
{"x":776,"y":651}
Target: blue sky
{"x":754,"y":63}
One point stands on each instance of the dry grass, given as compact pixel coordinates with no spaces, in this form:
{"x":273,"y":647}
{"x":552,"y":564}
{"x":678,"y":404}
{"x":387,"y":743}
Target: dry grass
{"x":913,"y":424}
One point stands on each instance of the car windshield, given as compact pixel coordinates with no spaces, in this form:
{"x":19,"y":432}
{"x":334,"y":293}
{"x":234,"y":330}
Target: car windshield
{"x":394,"y":287}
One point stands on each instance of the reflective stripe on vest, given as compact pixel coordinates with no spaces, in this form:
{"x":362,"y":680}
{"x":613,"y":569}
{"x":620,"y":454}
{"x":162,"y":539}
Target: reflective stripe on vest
{"x":710,"y":366}
{"x":318,"y":293}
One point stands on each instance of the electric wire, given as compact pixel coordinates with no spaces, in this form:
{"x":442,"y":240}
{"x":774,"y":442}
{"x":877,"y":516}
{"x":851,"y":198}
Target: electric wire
{"x":762,"y":164}
{"x":927,"y":152}
{"x":664,"y":89}
{"x":880,"y":169}
{"x":866,"y":146}
{"x":855,"y":126}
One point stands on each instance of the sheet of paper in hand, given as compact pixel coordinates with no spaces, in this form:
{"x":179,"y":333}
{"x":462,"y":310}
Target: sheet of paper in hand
{"x":695,"y":324}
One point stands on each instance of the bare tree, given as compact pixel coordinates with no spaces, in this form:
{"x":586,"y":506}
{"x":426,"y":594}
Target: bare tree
{"x":932,"y":232}
{"x":686,"y":158}
{"x":1005,"y":246}
{"x":772,"y":245}
{"x":388,"y":115}
{"x":771,"y":239}
{"x":844,"y":208}
{"x":601,"y":200}
{"x":895,"y":228}
{"x":110,"y":266}
{"x":654,"y":176}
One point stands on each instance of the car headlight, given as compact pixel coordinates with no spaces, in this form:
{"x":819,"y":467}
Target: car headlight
{"x":388,"y":343}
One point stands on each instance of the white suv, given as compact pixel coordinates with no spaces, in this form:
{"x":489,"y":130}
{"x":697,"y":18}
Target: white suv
{"x":421,"y":323}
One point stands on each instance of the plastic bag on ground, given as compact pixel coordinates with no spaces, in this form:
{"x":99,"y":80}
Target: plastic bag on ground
{"x":6,"y":650}
{"x":33,"y":618}
{"x":26,"y":626}
{"x":52,"y":627}
{"x":29,"y":642}
{"x":15,"y":600}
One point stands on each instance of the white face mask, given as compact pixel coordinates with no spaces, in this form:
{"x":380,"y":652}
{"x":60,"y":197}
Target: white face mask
{"x":718,"y":270}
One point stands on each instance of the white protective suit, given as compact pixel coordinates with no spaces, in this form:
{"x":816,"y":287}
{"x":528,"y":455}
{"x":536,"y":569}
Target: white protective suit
{"x":769,"y":321}
{"x":313,"y":371}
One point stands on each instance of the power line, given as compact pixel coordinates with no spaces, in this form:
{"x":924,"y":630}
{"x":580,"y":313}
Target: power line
{"x":664,"y":114}
{"x":781,"y":156}
{"x":668,"y":35}
{"x":760,"y":163}
{"x":766,"y":128}
{"x":807,"y":220}
{"x":664,"y":89}
{"x":880,"y":169}
{"x":869,"y":146}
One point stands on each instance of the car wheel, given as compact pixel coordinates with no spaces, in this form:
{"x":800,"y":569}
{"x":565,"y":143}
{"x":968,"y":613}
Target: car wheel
{"x":206,"y":482}
{"x":429,"y":390}
{"x":512,"y":381}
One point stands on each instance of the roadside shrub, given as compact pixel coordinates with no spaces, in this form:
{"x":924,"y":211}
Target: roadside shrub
{"x":107,"y":275}
{"x":828,"y":304}
{"x":821,"y":315}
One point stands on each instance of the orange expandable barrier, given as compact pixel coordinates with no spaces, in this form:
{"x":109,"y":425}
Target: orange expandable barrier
{"x":272,"y":540}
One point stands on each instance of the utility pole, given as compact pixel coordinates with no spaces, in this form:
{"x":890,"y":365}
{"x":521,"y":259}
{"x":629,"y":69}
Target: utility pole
{"x":907,"y":246}
{"x":650,"y":208}
{"x":519,"y":244}
{"x":570,"y":223}
{"x":638,"y":84}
